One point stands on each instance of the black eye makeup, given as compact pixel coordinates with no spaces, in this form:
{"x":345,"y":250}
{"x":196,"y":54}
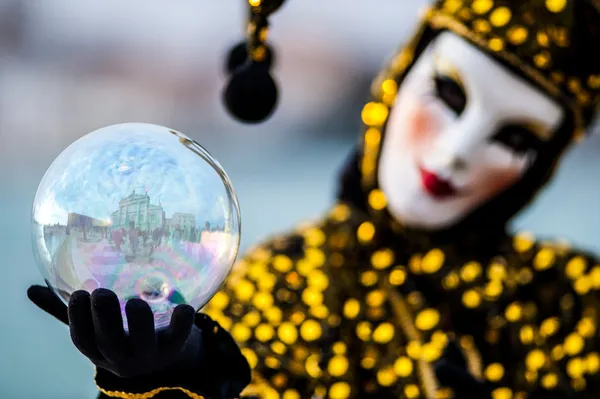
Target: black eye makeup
{"x":518,"y":138}
{"x":450,"y":92}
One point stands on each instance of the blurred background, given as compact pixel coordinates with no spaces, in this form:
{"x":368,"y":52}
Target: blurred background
{"x":70,"y":67}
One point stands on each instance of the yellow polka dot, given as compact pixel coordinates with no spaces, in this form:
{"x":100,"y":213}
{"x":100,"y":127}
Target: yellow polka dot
{"x":282,"y":263}
{"x":314,"y":237}
{"x":535,"y":359}
{"x":471,"y":299}
{"x":316,"y":257}
{"x":549,"y":381}
{"x":351,"y":308}
{"x":287,"y":333}
{"x":273,"y":315}
{"x":593,"y":363}
{"x":430,"y":352}
{"x":368,"y":362}
{"x":542,"y":60}
{"x":312,"y":366}
{"x":556,"y":6}
{"x":241,"y":333}
{"x":513,"y":312}
{"x":339,"y":390}
{"x":244,"y":290}
{"x":291,"y":394}
{"x":403,"y":366}
{"x":363,"y":330}
{"x":318,"y":280}
{"x":365,"y":232}
{"x":382,"y":258}
{"x":372,"y":137}
{"x":470,"y":271}
{"x":368,"y":278}
{"x":586,"y":327}
{"x":452,"y":5}
{"x":267,"y":282}
{"x":220,"y":300}
{"x":500,"y":16}
{"x":374,"y":114}
{"x":398,"y":276}
{"x":413,"y":349}
{"x":383,"y":333}
{"x":339,"y":348}
{"x":549,"y":326}
{"x":576,"y":267}
{"x":375,"y":298}
{"x":312,"y":297}
{"x":389,"y":86}
{"x":527,"y":334}
{"x":411,"y":391}
{"x":576,"y":368}
{"x":319,"y":311}
{"x":482,"y":6}
{"x":523,"y":242}
{"x":482,"y":26}
{"x":386,"y":377}
{"x":262,"y":300}
{"x":341,"y":212}
{"x":496,"y":44}
{"x":573,"y":344}
{"x":543,"y":39}
{"x":494,"y":372}
{"x":251,"y":319}
{"x":502,"y":393}
{"x":338,"y":365}
{"x":250,"y":357}
{"x":432,"y":261}
{"x":517,"y":35}
{"x":451,"y":281}
{"x":377,"y":199}
{"x":427,"y":319}
{"x":544,"y":259}
{"x":264,"y":332}
{"x":310,"y":330}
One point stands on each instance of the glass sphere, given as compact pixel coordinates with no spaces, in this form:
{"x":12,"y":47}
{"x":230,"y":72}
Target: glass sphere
{"x":141,"y":210}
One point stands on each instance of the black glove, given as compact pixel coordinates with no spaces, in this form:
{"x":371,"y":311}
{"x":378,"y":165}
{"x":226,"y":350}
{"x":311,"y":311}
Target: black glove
{"x":452,"y":372}
{"x":193,"y":353}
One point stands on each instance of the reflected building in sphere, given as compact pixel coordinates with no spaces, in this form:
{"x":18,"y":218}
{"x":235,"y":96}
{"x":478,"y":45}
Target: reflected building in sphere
{"x":136,"y":209}
{"x":185,"y":221}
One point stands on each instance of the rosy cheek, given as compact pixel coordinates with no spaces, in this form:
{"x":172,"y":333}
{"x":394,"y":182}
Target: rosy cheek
{"x":498,"y":180}
{"x":422,"y":128}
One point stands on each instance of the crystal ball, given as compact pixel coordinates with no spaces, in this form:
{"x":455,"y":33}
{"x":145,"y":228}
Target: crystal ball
{"x":141,"y":210}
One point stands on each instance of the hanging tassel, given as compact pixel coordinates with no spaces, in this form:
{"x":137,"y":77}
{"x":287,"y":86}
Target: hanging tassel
{"x":251,"y":94}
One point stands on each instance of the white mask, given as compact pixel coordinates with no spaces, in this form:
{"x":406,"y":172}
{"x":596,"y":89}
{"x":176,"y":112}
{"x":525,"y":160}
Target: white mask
{"x":463,"y":129}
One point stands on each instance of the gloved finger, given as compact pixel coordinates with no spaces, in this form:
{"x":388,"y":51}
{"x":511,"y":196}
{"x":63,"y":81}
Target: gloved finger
{"x":82,"y":326}
{"x":140,"y":320}
{"x":108,"y":325}
{"x":179,"y":329}
{"x":45,"y":299}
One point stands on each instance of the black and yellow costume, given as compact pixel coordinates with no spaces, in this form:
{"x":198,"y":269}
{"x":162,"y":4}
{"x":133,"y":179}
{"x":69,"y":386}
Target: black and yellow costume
{"x":356,"y":305}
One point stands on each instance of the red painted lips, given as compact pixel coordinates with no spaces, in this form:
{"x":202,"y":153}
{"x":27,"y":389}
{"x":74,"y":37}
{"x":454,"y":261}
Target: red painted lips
{"x":436,"y":186}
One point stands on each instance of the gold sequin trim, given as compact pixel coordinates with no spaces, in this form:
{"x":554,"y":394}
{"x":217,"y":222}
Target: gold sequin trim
{"x":146,"y":395}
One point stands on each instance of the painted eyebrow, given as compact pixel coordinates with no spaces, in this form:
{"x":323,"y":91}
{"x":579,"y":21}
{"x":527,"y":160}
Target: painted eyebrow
{"x":446,"y":68}
{"x":538,"y":129}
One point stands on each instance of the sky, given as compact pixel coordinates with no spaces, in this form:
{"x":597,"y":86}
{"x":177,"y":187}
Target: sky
{"x":94,"y":173}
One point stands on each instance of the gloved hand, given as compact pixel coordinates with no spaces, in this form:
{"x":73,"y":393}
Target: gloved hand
{"x":194,"y":352}
{"x":452,"y":372}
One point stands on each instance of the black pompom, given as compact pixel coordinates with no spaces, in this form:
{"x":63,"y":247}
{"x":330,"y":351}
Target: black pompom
{"x":238,"y":57}
{"x":251,"y":95}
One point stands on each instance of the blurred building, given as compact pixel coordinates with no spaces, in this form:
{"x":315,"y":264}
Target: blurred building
{"x":137,"y":210}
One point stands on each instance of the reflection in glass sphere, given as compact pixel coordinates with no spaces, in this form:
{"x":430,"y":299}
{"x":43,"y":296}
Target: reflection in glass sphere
{"x":141,"y":210}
